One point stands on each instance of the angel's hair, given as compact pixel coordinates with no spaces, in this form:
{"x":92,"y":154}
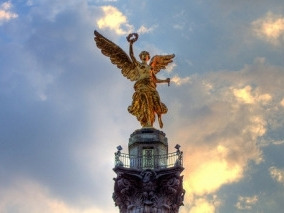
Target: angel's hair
{"x":144,"y":52}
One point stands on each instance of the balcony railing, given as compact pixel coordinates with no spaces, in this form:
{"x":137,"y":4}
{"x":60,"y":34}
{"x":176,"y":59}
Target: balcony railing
{"x":149,"y":161}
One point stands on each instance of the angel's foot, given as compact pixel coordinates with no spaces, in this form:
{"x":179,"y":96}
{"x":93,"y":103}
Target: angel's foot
{"x":147,"y":125}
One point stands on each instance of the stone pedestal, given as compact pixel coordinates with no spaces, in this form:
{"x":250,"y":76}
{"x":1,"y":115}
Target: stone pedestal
{"x":148,"y":178}
{"x":148,"y":149}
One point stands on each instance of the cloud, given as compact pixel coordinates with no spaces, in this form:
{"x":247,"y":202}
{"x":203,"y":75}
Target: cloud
{"x":170,"y":67}
{"x":246,"y":203}
{"x":217,"y":168}
{"x":114,"y":20}
{"x":202,"y":206}
{"x":182,"y":22}
{"x":180,"y":81}
{"x":178,"y":26}
{"x":277,"y":174}
{"x":143,"y":29}
{"x":282,"y":102}
{"x":269,"y":28}
{"x":221,"y":120}
{"x":5,"y":12}
{"x":26,"y":196}
{"x":246,"y":95}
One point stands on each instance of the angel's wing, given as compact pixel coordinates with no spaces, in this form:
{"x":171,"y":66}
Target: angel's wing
{"x":117,"y":56}
{"x":159,"y":62}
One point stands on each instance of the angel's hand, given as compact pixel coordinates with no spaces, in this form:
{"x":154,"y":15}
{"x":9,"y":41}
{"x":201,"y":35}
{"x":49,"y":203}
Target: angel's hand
{"x":168,"y":80}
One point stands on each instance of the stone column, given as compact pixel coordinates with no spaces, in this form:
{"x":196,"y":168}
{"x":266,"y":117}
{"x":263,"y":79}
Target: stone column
{"x":149,"y":184}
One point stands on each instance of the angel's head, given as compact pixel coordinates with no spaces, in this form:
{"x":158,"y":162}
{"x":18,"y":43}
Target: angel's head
{"x":144,"y":56}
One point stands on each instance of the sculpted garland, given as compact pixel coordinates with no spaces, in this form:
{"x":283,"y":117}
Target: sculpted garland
{"x":146,"y":101}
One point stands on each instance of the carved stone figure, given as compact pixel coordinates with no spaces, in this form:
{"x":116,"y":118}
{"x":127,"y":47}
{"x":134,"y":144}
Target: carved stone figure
{"x":146,"y":101}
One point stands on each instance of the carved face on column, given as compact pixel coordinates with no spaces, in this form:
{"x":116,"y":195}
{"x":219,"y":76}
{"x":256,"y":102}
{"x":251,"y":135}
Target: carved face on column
{"x":148,"y":175}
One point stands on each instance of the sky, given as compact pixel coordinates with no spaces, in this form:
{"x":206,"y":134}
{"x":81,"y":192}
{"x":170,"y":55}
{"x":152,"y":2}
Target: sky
{"x":63,"y":105}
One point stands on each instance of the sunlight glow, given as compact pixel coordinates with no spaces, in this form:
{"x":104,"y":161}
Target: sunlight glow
{"x":269,"y":28}
{"x":248,"y":96}
{"x":114,"y":20}
{"x":211,"y":175}
{"x":244,"y":95}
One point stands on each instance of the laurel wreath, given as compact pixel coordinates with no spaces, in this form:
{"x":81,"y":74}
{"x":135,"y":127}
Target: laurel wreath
{"x":130,"y":39}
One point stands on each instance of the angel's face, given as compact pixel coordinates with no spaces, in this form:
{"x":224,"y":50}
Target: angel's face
{"x":144,"y":56}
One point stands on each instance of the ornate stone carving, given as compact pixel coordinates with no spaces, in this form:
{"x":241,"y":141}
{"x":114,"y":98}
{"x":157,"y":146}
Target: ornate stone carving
{"x":148,"y":191}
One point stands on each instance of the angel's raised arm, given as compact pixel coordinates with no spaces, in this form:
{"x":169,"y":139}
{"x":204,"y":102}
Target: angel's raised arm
{"x":131,"y":40}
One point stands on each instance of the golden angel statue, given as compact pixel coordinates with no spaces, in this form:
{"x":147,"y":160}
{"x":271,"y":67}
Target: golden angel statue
{"x":146,"y":101}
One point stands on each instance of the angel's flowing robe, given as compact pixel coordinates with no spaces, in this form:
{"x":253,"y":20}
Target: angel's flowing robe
{"x":146,"y":101}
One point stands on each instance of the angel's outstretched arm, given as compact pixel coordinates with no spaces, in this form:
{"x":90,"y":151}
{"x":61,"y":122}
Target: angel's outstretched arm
{"x":157,"y":80}
{"x":168,"y":80}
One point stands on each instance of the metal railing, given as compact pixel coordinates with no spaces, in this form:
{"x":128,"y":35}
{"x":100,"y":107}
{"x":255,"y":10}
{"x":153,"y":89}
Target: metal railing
{"x":148,"y":161}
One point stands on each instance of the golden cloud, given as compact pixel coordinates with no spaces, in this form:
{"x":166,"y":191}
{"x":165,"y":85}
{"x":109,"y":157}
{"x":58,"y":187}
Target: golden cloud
{"x":247,"y":96}
{"x":209,"y":170}
{"x":244,"y":95}
{"x":114,"y":20}
{"x":269,"y":28}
